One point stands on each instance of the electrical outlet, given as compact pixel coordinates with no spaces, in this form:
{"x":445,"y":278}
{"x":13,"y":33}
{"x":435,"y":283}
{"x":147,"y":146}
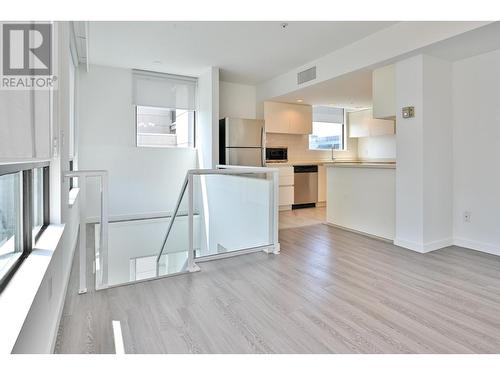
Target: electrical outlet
{"x":467,"y":216}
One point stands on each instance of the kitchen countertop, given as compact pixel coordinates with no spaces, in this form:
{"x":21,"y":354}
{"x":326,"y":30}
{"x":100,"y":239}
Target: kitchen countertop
{"x":361,"y":164}
{"x":338,"y":163}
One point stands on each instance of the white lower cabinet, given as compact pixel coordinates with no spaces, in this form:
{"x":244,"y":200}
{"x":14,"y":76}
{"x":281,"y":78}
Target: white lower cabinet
{"x":286,"y":188}
{"x":321,"y":183}
{"x":286,"y":195}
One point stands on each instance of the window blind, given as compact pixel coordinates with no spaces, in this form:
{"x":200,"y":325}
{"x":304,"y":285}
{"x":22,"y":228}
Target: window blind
{"x":328,"y":114}
{"x":164,"y":90}
{"x":24,"y":125}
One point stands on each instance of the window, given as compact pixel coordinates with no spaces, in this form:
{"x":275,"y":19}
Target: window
{"x":165,"y":106}
{"x":37,"y":193}
{"x":326,"y":136}
{"x":10,"y":222}
{"x":328,"y":129}
{"x":73,"y":181}
{"x":164,"y":127}
{"x":24,"y":212}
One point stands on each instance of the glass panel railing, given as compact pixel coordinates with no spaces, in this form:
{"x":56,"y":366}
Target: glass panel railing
{"x":231,"y":210}
{"x":134,"y":246}
{"x":237,"y":212}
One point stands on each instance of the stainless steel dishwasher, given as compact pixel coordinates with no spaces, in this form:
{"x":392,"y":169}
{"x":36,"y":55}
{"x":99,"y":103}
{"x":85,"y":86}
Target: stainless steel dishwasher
{"x":306,"y":186}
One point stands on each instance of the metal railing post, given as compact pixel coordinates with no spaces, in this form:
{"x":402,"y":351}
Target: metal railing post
{"x":83,"y":237}
{"x":275,"y":217}
{"x":103,"y":240}
{"x":103,"y":253}
{"x":190,"y":264}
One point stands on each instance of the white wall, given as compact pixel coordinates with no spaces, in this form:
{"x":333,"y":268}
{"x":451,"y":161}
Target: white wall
{"x":141,"y":180}
{"x":237,"y":100}
{"x":382,"y":147}
{"x":207,"y":120}
{"x":476,"y":83}
{"x":39,"y":330}
{"x":424,"y":167}
{"x":350,"y":204}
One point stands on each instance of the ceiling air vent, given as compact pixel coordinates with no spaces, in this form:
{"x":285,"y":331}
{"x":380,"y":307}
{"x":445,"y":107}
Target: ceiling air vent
{"x":306,"y":75}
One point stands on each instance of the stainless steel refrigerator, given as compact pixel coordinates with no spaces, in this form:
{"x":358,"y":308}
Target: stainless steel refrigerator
{"x":241,"y":142}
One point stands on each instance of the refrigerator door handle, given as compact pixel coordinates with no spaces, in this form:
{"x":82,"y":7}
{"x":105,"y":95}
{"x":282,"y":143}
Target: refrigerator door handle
{"x":262,"y":147}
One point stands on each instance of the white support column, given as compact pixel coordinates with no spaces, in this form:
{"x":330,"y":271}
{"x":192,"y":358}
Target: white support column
{"x":424,"y":180}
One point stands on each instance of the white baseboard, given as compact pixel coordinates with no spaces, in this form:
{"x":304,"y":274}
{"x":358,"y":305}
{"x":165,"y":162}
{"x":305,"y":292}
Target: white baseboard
{"x":410,"y":245}
{"x":457,"y":241}
{"x":359,"y":232}
{"x":439,"y":244}
{"x":423,"y":247}
{"x":477,"y":245}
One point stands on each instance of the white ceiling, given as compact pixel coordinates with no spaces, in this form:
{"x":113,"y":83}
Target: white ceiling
{"x":246,"y":52}
{"x":353,"y":90}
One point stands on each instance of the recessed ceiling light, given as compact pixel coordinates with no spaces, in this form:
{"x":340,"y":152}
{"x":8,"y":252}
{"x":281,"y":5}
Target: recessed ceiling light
{"x":300,"y":100}
{"x":284,"y":25}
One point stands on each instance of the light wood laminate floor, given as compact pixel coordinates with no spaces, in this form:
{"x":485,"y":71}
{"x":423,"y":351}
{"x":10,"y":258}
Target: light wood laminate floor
{"x":302,"y":217}
{"x":329,"y":291}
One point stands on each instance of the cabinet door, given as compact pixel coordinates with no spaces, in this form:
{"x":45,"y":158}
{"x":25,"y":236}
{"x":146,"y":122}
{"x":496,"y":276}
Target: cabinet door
{"x":300,"y":119}
{"x":321,"y":183}
{"x":358,"y":124}
{"x":286,"y":195}
{"x":288,"y":118}
{"x":286,"y":180}
{"x":285,"y":171}
{"x":381,"y":127}
{"x":362,"y":124}
{"x":276,"y":117}
{"x":384,"y":92}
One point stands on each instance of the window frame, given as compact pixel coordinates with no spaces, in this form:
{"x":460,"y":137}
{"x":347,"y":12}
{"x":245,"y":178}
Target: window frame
{"x":136,"y":129}
{"x":71,"y":169}
{"x":344,"y":138}
{"x":27,"y":210}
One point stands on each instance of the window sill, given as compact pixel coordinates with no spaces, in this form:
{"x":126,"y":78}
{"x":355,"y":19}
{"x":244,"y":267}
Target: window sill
{"x":17,"y":297}
{"x":73,"y":194}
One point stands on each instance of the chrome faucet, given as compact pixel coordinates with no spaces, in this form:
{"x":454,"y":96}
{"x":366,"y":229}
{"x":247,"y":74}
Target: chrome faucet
{"x":333,"y":157}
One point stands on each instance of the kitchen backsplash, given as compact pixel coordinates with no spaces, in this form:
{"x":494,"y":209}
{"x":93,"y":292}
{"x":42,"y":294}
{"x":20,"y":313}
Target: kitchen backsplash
{"x":382,"y":148}
{"x":298,"y":148}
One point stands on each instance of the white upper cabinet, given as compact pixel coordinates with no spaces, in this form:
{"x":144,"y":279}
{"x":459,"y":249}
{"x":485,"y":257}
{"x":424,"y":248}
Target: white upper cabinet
{"x":288,"y":118}
{"x":384,"y":92}
{"x":362,"y":124}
